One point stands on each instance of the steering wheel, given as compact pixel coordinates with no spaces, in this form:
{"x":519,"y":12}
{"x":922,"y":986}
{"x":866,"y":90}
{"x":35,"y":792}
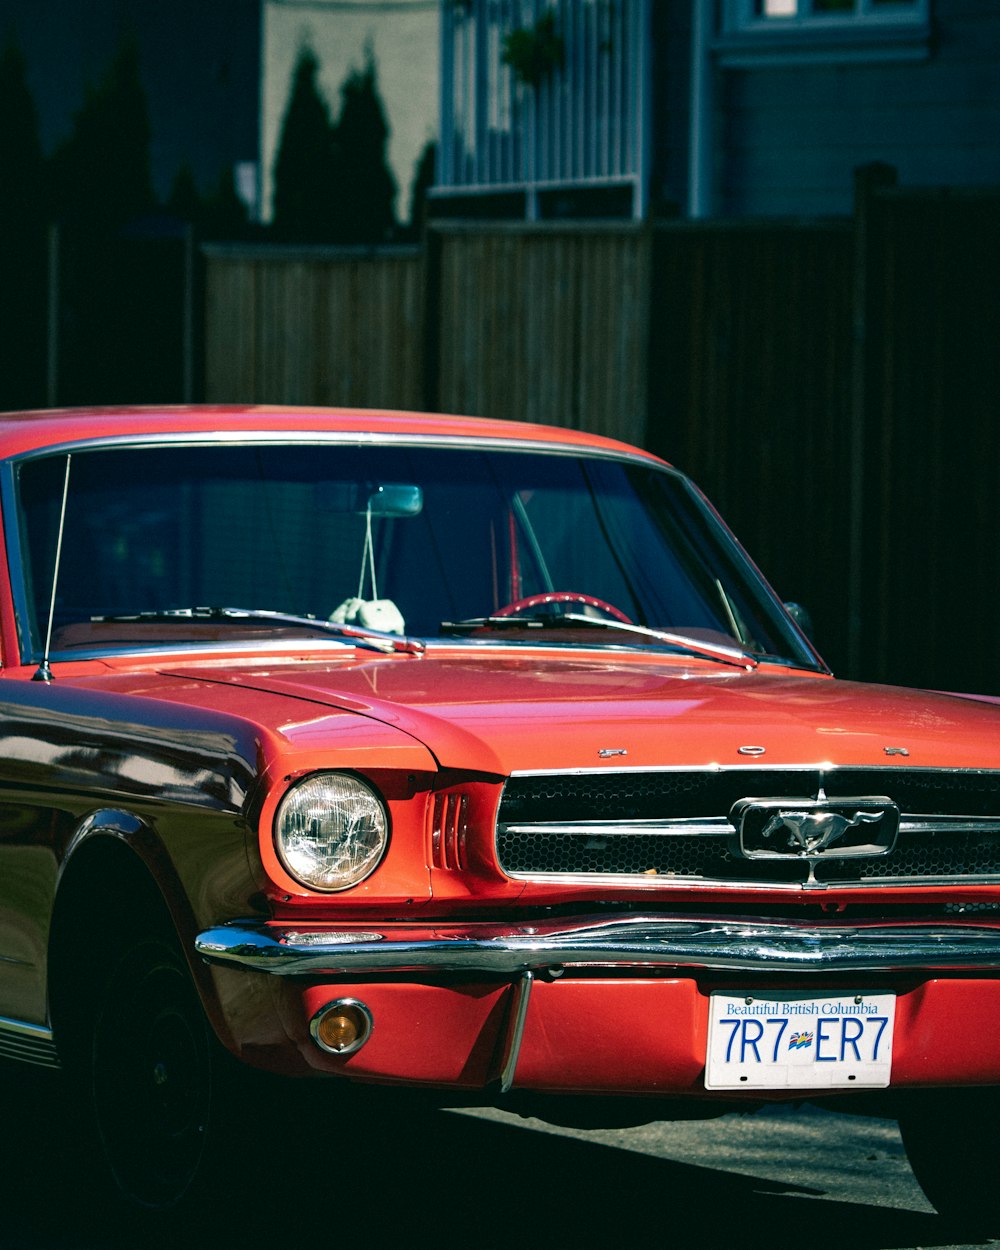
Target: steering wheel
{"x":562,"y":596}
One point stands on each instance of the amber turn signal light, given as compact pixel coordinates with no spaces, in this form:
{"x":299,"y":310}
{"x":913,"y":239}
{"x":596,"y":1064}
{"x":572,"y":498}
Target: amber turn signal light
{"x":341,"y":1027}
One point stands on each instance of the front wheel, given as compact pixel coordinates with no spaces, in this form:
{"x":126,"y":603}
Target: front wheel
{"x":150,"y":1079}
{"x":951,"y":1142}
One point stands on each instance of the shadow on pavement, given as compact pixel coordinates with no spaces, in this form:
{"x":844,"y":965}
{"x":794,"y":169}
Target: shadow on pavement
{"x":436,"y":1180}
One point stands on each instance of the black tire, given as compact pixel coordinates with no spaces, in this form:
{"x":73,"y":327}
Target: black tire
{"x":150,"y":1077}
{"x":954,"y":1151}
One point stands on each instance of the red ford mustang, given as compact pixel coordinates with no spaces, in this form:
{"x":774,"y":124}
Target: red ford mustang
{"x":468,"y":757}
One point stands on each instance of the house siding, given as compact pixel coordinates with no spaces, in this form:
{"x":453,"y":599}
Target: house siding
{"x":791,"y":136}
{"x":670,"y":102}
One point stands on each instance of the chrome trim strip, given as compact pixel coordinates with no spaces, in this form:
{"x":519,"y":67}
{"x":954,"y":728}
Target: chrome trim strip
{"x":518,"y":1015}
{"x":949,"y":824}
{"x":654,"y":881}
{"x":28,"y":1043}
{"x":663,"y":881}
{"x":716,"y":826}
{"x":709,"y":827}
{"x":632,"y":942}
{"x":38,"y":1031}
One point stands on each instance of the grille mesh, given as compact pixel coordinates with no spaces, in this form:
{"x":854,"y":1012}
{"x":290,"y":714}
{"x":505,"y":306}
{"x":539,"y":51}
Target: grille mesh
{"x":525,"y":848}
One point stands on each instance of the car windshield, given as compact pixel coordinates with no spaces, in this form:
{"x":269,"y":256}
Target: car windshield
{"x":159,"y":544}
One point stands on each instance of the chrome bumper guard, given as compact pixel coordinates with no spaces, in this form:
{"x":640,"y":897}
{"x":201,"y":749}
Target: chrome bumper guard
{"x":633,"y":942}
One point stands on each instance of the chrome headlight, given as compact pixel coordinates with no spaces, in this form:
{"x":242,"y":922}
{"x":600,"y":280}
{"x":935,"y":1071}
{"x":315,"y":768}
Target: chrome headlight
{"x":331,"y":830}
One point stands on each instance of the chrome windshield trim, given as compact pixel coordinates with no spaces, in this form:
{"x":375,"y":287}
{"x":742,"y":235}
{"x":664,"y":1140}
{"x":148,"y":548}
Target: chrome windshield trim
{"x":632,"y":942}
{"x":360,"y":438}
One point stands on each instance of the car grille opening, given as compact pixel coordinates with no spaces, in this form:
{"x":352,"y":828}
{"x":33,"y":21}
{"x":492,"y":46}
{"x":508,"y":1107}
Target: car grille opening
{"x":675,"y":824}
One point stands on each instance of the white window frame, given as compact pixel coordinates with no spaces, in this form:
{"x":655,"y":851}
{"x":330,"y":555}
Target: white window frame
{"x":869,"y":31}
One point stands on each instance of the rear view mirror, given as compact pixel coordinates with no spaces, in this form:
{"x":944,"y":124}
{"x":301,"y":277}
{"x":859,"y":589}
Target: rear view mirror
{"x":395,"y":500}
{"x":385,"y":499}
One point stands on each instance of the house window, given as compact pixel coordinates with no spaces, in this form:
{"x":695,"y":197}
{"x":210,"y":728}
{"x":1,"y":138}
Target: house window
{"x":816,"y":11}
{"x":753,"y":31}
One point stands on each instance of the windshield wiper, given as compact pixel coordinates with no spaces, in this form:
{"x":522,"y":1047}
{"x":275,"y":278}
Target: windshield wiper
{"x":547,"y":620}
{"x":372,"y":639}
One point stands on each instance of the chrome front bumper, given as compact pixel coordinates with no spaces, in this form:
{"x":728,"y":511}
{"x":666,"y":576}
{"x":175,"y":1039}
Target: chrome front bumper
{"x":593,"y":942}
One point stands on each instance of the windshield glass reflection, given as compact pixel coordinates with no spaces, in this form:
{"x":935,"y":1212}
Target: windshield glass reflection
{"x":386,"y":538}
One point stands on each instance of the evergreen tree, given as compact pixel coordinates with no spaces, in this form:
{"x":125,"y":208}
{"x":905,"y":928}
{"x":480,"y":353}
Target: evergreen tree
{"x":305,"y":172}
{"x":23,"y":218}
{"x":184,"y":200}
{"x":224,"y":214}
{"x":21,"y":160}
{"x":423,"y":180}
{"x":102,"y":171}
{"x":368,"y":188}
{"x":219,"y":215}
{"x":110,"y":341}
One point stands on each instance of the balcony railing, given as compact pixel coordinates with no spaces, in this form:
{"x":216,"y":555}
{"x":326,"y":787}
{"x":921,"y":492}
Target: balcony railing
{"x":561,"y":106}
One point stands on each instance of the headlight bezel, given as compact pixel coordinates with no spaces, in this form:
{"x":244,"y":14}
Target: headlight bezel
{"x":298,"y":799}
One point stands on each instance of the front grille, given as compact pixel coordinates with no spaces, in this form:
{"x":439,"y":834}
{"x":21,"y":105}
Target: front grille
{"x":675,"y":824}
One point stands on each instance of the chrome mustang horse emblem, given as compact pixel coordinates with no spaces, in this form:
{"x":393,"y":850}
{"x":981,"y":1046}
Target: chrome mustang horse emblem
{"x":813,"y":832}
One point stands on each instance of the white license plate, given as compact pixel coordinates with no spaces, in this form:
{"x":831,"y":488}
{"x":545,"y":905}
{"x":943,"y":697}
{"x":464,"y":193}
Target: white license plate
{"x":781,"y":1040}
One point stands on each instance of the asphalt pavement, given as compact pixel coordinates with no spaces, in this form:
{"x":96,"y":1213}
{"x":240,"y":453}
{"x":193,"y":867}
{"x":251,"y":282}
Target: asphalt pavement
{"x":784,"y":1179}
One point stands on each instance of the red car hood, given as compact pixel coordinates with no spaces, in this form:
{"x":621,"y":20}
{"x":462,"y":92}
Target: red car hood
{"x":503,"y":715}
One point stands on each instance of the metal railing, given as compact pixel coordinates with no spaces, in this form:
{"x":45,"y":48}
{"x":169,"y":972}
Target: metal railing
{"x":562,"y":105}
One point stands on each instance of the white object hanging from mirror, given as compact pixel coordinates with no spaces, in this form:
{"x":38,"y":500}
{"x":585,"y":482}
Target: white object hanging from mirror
{"x":373,"y":613}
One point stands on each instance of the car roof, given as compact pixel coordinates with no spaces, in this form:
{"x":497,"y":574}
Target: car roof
{"x":22,"y":432}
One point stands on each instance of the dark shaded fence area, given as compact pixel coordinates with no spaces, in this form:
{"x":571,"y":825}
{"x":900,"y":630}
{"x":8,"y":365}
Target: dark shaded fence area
{"x":832,"y":385}
{"x":99,"y":319}
{"x":931,"y":428}
{"x":750,"y":393}
{"x":835,"y":389}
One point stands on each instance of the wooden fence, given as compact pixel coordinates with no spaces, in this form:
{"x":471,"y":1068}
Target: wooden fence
{"x":314,"y":326}
{"x":546,"y":324}
{"x":750,"y":394}
{"x":931,"y":430}
{"x":832,"y":385}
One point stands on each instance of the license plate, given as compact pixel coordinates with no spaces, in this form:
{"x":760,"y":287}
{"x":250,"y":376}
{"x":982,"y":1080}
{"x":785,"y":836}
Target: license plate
{"x":799,"y":1041}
